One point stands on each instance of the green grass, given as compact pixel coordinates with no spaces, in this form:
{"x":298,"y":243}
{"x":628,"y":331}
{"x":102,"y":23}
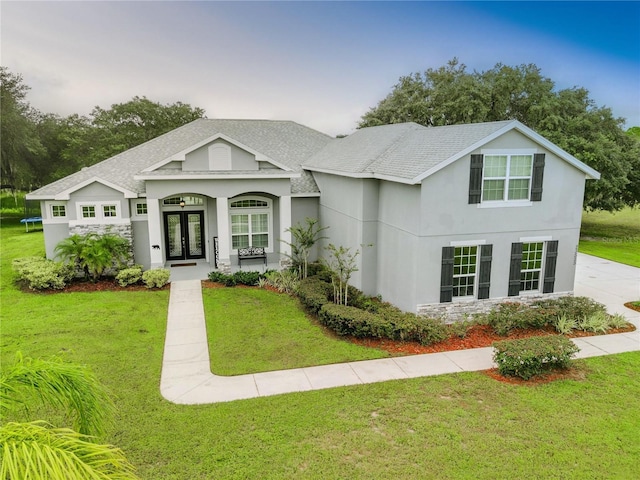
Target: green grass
{"x":614,"y":236}
{"x":252,"y":330}
{"x":463,"y":426}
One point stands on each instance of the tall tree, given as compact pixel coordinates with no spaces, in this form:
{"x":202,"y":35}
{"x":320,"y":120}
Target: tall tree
{"x":451,"y":95}
{"x":19,"y":142}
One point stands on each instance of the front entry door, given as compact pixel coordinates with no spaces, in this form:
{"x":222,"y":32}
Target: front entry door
{"x":184,"y":235}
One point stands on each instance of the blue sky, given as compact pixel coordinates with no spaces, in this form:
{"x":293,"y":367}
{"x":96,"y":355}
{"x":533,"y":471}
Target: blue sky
{"x":323,"y":64}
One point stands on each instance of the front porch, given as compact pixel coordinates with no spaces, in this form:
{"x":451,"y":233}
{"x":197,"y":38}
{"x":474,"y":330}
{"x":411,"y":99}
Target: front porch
{"x":199,"y":269}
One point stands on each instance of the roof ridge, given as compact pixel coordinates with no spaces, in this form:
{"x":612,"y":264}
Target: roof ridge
{"x":394,"y":143}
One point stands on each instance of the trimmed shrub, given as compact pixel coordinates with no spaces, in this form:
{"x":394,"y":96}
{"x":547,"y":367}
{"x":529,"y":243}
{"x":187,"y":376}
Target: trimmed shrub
{"x":313,"y":294}
{"x":425,"y":330}
{"x":510,"y":316}
{"x":239,"y":278}
{"x":345,"y":320}
{"x":40,"y":273}
{"x":156,"y":278}
{"x":129,"y":276}
{"x":528,"y":357}
{"x":577,"y":308}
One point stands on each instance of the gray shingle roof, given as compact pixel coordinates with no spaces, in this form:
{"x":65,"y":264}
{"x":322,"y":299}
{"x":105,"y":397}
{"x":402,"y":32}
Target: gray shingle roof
{"x":404,"y":150}
{"x":286,"y":142}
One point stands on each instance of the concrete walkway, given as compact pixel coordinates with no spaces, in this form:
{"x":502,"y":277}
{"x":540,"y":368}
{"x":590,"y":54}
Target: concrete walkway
{"x":187,"y":378}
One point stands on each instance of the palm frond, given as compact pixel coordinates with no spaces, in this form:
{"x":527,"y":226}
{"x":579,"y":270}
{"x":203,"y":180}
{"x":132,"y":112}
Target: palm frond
{"x":30,"y":451}
{"x":61,"y":385}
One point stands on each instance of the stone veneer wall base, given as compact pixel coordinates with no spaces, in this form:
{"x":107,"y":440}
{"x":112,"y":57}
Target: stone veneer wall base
{"x":459,"y":311}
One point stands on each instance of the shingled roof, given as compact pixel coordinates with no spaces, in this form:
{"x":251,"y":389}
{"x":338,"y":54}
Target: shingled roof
{"x":286,"y":142}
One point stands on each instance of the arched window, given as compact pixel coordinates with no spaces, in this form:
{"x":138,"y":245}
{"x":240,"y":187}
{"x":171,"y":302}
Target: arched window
{"x":251,"y":222}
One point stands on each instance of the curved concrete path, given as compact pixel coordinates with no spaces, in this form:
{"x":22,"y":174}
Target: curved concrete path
{"x":187,"y":378}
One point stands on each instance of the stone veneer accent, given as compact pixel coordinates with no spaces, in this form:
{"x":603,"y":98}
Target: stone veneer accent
{"x":122,"y":229}
{"x":458,"y":311}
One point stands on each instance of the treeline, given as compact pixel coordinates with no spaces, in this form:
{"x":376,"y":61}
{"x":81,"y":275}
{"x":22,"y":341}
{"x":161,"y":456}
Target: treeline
{"x":569,"y":118}
{"x":38,"y":148}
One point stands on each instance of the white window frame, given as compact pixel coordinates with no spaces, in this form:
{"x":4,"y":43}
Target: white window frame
{"x":138,"y":203}
{"x":505,"y":202}
{"x":98,"y":208}
{"x":252,"y":211}
{"x":540,"y":269}
{"x":57,"y":219}
{"x":475,"y":274}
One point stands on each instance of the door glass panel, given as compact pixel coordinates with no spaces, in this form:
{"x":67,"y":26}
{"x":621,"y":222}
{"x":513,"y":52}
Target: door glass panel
{"x":195,"y":234}
{"x":174,"y":231}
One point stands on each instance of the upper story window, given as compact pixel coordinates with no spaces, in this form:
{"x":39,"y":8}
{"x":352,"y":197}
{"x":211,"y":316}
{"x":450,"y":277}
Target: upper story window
{"x":500,"y":178}
{"x":506,"y":177}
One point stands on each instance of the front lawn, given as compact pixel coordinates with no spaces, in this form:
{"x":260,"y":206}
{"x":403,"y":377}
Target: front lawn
{"x":614,"y":236}
{"x":451,"y":426}
{"x":253,"y":330}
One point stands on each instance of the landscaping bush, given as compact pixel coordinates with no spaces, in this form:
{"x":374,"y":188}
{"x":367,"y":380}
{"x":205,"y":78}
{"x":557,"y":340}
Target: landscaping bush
{"x":239,"y":278}
{"x":313,"y":294}
{"x":156,"y":278}
{"x":129,"y":276}
{"x":425,"y":330}
{"x":528,"y":357}
{"x":597,"y":322}
{"x":345,"y":320}
{"x":39,"y":273}
{"x":285,"y":281}
{"x":577,"y":308}
{"x":564,"y":324}
{"x":510,"y":316}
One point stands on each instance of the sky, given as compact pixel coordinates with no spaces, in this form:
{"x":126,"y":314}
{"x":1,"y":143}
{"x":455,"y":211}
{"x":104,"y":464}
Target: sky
{"x":321,"y":64}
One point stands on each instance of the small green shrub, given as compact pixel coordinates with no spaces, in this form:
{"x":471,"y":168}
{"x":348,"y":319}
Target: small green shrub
{"x":313,"y":294}
{"x":40,"y":273}
{"x":617,"y":321}
{"x":156,"y":278}
{"x":460,"y":329}
{"x":346,"y":320}
{"x":597,"y":322}
{"x":510,"y":316}
{"x":239,"y":278}
{"x":564,"y":324}
{"x":129,"y":276}
{"x":577,"y":308}
{"x":414,"y":328}
{"x":528,"y":357}
{"x":285,"y":281}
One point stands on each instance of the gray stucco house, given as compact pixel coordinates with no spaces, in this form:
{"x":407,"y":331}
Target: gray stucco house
{"x":446,"y":218}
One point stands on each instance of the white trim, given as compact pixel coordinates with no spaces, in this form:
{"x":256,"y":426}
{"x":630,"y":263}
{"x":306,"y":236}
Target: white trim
{"x":99,"y":221}
{"x":133,"y":207}
{"x":181,"y":155}
{"x":505,"y":203}
{"x":467,"y":243}
{"x":50,"y":219}
{"x":66,"y":194}
{"x":304,"y":195}
{"x":543,"y":238}
{"x":99,"y":213}
{"x":217,"y":176}
{"x":508,"y":177}
{"x":363,"y":175}
{"x":509,"y":151}
{"x":252,"y":211}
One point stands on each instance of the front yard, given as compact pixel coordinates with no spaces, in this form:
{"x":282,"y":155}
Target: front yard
{"x":452,"y":426}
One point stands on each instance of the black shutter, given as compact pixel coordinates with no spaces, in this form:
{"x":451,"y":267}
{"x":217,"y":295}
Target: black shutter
{"x":515,"y":268}
{"x":550,"y":266}
{"x":446,"y":276}
{"x":484,"y":281}
{"x":475,"y":179}
{"x":538,"y":174}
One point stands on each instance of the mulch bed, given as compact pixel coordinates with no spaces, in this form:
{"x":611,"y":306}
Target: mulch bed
{"x":632,"y":306}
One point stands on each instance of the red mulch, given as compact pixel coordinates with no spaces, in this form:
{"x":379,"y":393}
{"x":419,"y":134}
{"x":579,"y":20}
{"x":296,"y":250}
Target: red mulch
{"x":632,"y":306}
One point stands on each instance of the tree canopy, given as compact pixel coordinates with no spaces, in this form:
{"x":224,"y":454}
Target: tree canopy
{"x":568,"y":117}
{"x":38,"y":148}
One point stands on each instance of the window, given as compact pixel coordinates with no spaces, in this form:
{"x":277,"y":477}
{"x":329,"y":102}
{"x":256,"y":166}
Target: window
{"x":58,"y":211}
{"x":533,"y":266}
{"x":109,"y":211}
{"x":531,"y":269}
{"x":141,"y":208}
{"x":250,"y":223}
{"x":88,"y":211}
{"x":506,"y":177}
{"x":465,"y":262}
{"x":189,"y":200}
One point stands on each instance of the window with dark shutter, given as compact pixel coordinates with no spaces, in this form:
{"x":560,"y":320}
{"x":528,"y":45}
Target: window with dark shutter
{"x":514,"y":269}
{"x":475,"y":179}
{"x":537,"y":177}
{"x":550,"y":266}
{"x":446,"y":276}
{"x":484,"y":281}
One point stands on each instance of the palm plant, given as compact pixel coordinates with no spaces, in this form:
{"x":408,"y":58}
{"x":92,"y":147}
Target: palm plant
{"x":93,"y":253}
{"x":34,"y":450}
{"x":72,"y":249}
{"x":304,"y":238}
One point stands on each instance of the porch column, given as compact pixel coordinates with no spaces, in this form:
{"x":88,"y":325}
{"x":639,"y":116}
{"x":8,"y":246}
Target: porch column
{"x":154,"y":221}
{"x":285,"y":234}
{"x":224,"y":235}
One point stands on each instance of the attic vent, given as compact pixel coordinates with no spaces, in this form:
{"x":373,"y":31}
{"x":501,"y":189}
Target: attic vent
{"x":219,"y":157}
